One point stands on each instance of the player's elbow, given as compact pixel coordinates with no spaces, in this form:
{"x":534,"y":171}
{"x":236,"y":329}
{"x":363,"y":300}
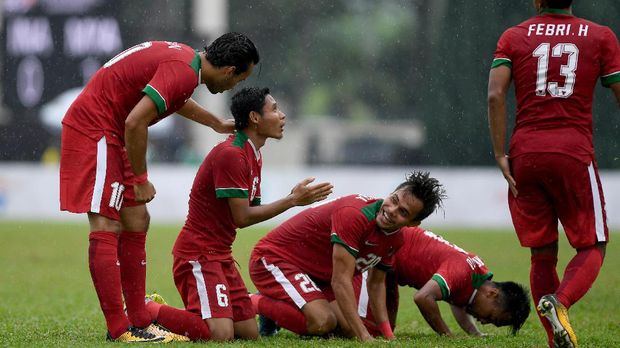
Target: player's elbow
{"x":131,"y":124}
{"x":495,"y":97}
{"x":421,"y":299}
{"x":241,"y":221}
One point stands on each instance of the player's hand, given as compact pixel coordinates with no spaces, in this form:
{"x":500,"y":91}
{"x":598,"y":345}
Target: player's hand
{"x":367,"y":338}
{"x":225,"y":126}
{"x":504,"y":166}
{"x":304,"y":193}
{"x":144,"y":192}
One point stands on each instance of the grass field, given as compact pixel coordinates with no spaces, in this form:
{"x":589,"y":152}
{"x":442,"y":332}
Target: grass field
{"x":47,"y":299}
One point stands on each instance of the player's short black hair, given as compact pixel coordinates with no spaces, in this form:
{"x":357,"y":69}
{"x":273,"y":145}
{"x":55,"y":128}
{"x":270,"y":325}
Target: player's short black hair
{"x":558,"y":3}
{"x":232,"y":49}
{"x":515,"y":300}
{"x":426,"y":189}
{"x":246,"y":100}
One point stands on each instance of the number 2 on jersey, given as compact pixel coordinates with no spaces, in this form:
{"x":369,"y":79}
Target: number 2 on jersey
{"x":567,"y":70}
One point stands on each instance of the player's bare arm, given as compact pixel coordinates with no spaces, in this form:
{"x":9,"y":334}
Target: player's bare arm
{"x":195,"y":112}
{"x":426,"y":299}
{"x":136,"y":139}
{"x":376,"y":294}
{"x":302,"y":194}
{"x":499,"y":82}
{"x":616,"y":89}
{"x":465,"y":321}
{"x":343,"y":269}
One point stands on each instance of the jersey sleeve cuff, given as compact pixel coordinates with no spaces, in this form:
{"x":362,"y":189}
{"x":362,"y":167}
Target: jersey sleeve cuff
{"x":336,"y":240}
{"x":501,"y":61}
{"x":157,"y":98}
{"x":443,"y":285}
{"x":610,"y":79}
{"x":231,"y":193}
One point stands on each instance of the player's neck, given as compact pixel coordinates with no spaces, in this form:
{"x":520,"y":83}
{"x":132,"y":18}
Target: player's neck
{"x":257,"y":140}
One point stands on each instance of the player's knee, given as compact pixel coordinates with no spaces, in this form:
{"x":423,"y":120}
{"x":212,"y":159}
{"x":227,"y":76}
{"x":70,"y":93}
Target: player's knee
{"x":321,"y":323}
{"x":221,"y":329}
{"x":222,"y":334}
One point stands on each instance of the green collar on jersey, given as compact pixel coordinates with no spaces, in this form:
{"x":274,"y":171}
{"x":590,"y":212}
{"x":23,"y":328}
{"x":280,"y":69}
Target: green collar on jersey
{"x":240,"y":139}
{"x":371,"y":210}
{"x":196,"y":64}
{"x":555,"y":11}
{"x":478,"y":279}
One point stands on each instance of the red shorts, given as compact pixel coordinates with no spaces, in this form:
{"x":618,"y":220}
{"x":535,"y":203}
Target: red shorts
{"x":363,"y":304}
{"x":556,"y":187}
{"x":280,"y":280}
{"x":92,"y":175}
{"x":213,"y":289}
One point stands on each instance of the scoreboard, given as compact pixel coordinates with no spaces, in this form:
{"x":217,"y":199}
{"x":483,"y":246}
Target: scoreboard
{"x":52,"y":46}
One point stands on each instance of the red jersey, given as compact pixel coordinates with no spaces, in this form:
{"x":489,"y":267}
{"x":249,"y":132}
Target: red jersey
{"x":167,"y":72}
{"x":231,"y":170}
{"x":556,"y":59}
{"x":426,"y":256}
{"x":306,"y":239}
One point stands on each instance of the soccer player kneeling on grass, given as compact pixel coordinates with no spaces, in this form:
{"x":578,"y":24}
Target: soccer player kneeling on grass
{"x":226,"y":195}
{"x":304,"y":268}
{"x":441,"y":271}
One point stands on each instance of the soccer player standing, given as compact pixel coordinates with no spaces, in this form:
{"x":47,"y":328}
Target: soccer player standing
{"x":304,"y":268}
{"x":226,"y":194}
{"x":555,"y":60}
{"x":103,"y":158}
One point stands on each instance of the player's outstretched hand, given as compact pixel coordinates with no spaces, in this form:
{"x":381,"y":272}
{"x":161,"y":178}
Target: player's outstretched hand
{"x":304,"y":193}
{"x":144,"y":192}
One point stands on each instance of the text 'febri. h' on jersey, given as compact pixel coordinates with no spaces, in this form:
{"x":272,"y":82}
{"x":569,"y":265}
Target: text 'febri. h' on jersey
{"x":425,"y":256}
{"x":556,"y":59}
{"x":167,"y":72}
{"x":231,"y":170}
{"x":306,"y":240}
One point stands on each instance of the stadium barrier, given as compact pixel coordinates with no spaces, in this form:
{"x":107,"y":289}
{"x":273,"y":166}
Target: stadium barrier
{"x":476,"y":196}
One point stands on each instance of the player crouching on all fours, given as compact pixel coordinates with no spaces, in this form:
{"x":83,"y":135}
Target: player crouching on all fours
{"x":441,"y":271}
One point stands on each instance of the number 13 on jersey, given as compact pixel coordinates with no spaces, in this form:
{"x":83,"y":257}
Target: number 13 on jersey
{"x":567,"y":70}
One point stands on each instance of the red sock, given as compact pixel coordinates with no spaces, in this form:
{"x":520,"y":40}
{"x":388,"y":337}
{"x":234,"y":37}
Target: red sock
{"x":543,"y":281}
{"x":104,"y":270}
{"x":132,"y":256}
{"x":284,"y":314}
{"x":180,"y":321}
{"x":580,"y":274}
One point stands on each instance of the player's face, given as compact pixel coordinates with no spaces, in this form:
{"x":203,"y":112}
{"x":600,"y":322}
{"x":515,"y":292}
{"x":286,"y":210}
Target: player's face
{"x":271,"y":123}
{"x":227,"y":79}
{"x":487,"y":310}
{"x":399,"y":209}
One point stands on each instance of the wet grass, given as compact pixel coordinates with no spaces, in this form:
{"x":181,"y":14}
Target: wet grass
{"x":47,"y":299}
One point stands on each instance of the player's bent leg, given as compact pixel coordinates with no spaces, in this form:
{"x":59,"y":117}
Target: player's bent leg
{"x":222,"y":329}
{"x":580,"y":274}
{"x":246,"y":329}
{"x":320,"y":317}
{"x":135,"y":218}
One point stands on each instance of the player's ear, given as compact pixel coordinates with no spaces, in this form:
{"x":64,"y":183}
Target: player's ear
{"x":254,"y":117}
{"x":493,"y":292}
{"x":230,"y":70}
